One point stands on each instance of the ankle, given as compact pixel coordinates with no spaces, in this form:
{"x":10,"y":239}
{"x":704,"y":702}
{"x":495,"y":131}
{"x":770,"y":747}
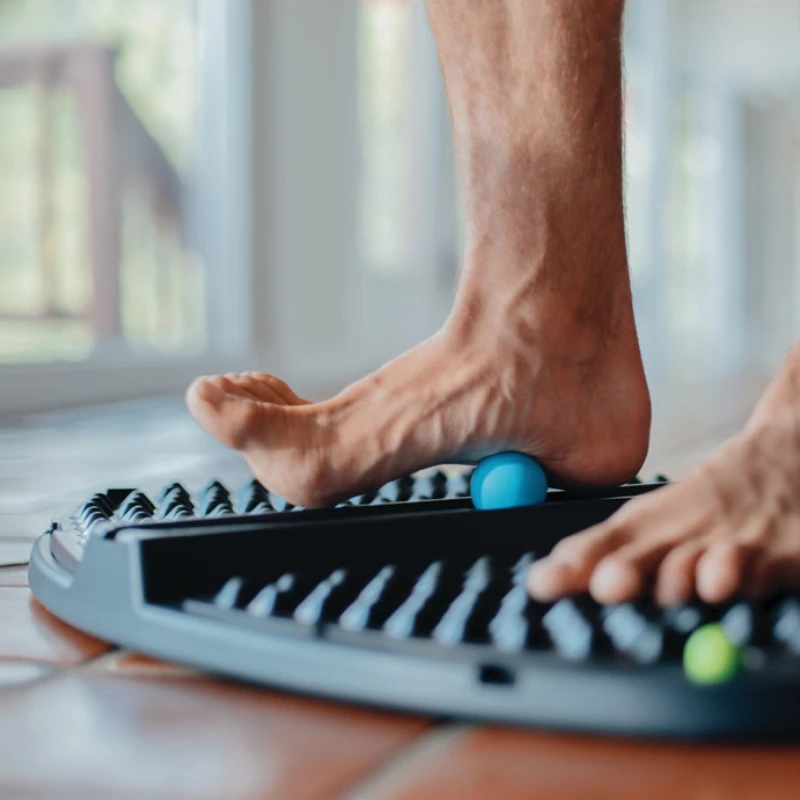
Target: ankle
{"x":505,"y":296}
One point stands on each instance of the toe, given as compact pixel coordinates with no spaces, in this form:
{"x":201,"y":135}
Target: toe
{"x":208,"y":388}
{"x":207,"y":392}
{"x":622,"y":575}
{"x":247,"y":384}
{"x":675,"y":577}
{"x":225,"y":411}
{"x":657,"y":524}
{"x":271,"y":389}
{"x":615,"y":580}
{"x":234,"y":385}
{"x":721,"y":570}
{"x":549,"y":579}
{"x":569,"y":566}
{"x":252,"y":385}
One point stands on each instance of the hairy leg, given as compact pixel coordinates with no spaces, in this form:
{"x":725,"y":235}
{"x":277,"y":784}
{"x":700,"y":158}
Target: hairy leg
{"x":733,"y":525}
{"x":540,"y":351}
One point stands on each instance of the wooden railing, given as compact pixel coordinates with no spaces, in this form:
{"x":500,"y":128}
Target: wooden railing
{"x":118,"y":150}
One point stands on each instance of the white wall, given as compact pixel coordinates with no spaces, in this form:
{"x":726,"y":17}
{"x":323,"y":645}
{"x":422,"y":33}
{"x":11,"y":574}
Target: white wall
{"x":321,"y":316}
{"x":305,"y":171}
{"x":753,"y":44}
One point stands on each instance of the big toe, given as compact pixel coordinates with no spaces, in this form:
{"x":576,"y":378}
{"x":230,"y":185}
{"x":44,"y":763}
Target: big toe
{"x":550,"y":579}
{"x":224,"y":409}
{"x":568,"y":569}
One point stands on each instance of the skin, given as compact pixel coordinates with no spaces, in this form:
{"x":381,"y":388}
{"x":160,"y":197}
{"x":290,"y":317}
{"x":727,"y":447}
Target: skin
{"x":540,"y":352}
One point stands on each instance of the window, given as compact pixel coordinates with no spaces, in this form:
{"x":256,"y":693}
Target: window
{"x":385,"y":124}
{"x":138,"y":148}
{"x":104,"y":218}
{"x":711,"y":149}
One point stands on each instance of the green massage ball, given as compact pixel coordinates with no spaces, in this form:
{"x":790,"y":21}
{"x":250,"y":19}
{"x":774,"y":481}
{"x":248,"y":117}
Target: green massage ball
{"x":710,"y":657}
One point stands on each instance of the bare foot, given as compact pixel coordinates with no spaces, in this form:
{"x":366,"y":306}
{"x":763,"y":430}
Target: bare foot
{"x":540,"y":353}
{"x":732,"y":526}
{"x":582,"y":411}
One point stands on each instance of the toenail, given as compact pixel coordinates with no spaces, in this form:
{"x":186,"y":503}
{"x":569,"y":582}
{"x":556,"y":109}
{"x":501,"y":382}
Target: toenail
{"x":211,"y":393}
{"x":610,"y":577}
{"x":543,"y":581}
{"x":540,"y":568}
{"x":550,"y":566}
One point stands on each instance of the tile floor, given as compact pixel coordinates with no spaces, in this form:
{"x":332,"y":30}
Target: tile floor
{"x":79,"y":719}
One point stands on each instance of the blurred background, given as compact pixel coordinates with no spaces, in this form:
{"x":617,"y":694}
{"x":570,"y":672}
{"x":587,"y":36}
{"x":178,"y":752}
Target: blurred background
{"x":190,"y":186}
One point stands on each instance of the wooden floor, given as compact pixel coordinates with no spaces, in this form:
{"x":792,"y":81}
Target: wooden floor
{"x":79,"y":719}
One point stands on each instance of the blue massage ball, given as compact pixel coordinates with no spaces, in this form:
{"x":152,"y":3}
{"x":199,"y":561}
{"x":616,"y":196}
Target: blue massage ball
{"x":507,"y":480}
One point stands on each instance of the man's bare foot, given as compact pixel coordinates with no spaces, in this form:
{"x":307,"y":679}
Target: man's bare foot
{"x":540,"y":353}
{"x":583,"y":411}
{"x":733,"y":525}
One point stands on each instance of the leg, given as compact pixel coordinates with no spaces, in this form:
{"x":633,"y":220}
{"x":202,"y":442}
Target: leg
{"x":540,"y":352}
{"x":733,"y":524}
